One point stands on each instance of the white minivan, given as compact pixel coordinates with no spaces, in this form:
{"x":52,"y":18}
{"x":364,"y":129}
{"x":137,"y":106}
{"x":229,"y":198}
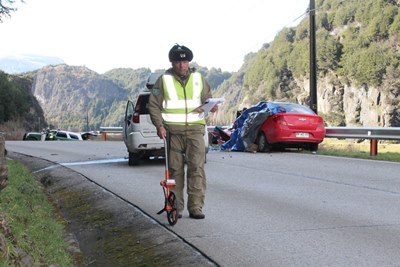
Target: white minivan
{"x":140,"y":134}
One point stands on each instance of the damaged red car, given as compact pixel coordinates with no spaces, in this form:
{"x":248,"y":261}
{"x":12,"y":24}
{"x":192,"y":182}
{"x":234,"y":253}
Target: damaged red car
{"x":291,"y":126}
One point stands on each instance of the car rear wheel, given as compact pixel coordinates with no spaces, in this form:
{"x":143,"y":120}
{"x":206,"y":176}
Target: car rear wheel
{"x":134,"y":159}
{"x":263,"y":145}
{"x":313,"y":147}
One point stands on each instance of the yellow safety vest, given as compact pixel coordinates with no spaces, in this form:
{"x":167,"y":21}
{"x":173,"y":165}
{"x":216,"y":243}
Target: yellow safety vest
{"x":179,"y":102}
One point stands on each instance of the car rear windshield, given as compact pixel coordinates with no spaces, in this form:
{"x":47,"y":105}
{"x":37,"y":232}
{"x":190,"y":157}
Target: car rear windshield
{"x":73,"y":136}
{"x":292,"y":108}
{"x":62,"y":135}
{"x":142,"y":104}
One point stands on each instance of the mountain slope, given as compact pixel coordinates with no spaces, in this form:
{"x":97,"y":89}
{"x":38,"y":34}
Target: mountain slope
{"x":357,"y":58}
{"x":19,"y":109}
{"x":358,"y":61}
{"x":74,"y":97}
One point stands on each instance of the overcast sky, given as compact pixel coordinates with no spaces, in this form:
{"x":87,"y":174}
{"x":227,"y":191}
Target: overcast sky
{"x":103,"y":35}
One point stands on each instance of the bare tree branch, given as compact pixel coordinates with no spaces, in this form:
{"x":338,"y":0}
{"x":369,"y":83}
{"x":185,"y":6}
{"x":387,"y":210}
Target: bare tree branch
{"x":6,"y":8}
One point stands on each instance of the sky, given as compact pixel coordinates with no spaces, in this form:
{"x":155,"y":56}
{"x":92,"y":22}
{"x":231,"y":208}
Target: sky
{"x":103,"y":35}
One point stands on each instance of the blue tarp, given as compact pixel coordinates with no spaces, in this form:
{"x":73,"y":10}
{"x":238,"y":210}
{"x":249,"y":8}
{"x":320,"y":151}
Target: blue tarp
{"x":247,"y":125}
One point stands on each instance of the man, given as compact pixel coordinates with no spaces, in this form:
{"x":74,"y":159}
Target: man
{"x":172,"y":106}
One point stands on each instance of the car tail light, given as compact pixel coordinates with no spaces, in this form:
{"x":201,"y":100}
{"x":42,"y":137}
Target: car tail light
{"x":280,"y":120}
{"x":320,"y":124}
{"x":136,"y":114}
{"x":136,"y":117}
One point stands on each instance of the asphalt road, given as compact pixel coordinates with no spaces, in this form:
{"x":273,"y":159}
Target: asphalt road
{"x":264,"y":209}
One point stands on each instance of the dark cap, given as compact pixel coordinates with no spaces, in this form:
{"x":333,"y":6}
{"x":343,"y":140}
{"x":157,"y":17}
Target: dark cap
{"x":180,"y":53}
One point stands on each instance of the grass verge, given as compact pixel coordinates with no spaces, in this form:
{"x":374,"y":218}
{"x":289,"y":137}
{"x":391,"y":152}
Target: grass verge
{"x":386,"y":151}
{"x":31,"y":231}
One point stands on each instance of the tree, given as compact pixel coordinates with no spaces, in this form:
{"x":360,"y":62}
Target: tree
{"x":6,"y":8}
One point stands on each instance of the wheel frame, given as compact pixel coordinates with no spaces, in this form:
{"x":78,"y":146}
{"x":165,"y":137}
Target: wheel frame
{"x":172,"y":213}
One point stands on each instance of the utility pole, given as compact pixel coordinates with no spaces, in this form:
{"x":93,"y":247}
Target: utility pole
{"x":87,"y":121}
{"x":313,"y":64}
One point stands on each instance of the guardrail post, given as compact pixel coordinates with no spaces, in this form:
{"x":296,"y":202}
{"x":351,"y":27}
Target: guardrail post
{"x":373,"y":147}
{"x":104,"y":136}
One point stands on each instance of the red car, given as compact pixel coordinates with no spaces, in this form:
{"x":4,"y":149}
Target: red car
{"x":291,"y":126}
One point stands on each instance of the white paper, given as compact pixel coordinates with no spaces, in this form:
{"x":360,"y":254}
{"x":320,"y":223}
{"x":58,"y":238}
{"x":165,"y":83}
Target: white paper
{"x":209,"y":104}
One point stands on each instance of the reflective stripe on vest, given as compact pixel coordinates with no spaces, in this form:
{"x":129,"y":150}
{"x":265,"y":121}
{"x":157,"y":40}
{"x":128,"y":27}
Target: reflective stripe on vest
{"x":172,"y":100}
{"x":192,"y":118}
{"x":177,"y":109}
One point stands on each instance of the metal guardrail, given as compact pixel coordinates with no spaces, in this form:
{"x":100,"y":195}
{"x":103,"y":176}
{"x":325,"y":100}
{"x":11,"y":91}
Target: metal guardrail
{"x":105,"y":130}
{"x":111,"y":129}
{"x":372,"y":133}
{"x":379,"y":133}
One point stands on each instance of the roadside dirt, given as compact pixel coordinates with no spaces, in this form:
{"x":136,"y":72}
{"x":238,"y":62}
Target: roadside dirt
{"x":104,"y":230}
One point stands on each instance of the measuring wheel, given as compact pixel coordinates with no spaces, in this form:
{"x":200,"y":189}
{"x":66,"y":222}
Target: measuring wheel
{"x":172,"y":210}
{"x":171,"y":204}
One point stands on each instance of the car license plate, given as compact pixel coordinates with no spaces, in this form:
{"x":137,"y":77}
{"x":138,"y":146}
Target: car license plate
{"x":302,"y":135}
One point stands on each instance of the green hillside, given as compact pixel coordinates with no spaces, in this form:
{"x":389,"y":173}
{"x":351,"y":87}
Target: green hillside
{"x":357,"y":47}
{"x":19,"y":109}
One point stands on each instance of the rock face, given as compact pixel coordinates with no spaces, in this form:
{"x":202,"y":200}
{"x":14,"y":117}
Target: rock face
{"x":73,"y":96}
{"x":3,"y":164}
{"x":358,"y":105}
{"x":357,"y":65}
{"x":77,"y":98}
{"x":340,"y":101}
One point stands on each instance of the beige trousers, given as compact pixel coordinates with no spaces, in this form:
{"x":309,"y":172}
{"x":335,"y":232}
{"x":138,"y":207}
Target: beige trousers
{"x":188,"y":148}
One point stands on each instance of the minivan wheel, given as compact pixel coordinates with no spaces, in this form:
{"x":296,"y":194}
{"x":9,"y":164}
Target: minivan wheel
{"x":134,"y":159}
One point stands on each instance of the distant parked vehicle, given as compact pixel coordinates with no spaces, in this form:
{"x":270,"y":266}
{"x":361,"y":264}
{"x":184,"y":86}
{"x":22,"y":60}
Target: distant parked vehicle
{"x":292,"y":126}
{"x":58,"y":135}
{"x":55,"y":135}
{"x":32,"y":136}
{"x":140,"y":135}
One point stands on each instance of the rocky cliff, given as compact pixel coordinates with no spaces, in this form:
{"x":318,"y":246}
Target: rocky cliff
{"x":340,"y":101}
{"x":359,"y":105}
{"x":358,"y":66}
{"x":75,"y":97}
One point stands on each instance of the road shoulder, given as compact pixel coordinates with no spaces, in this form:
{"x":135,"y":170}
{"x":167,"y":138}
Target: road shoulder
{"x":105,"y":230}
